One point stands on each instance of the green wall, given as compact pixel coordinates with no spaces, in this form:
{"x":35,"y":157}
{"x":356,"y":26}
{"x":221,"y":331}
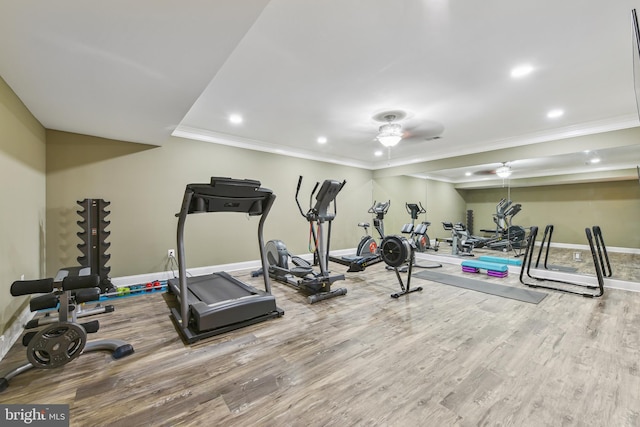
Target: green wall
{"x":145,"y":186}
{"x":22,"y":190}
{"x":441,"y":201}
{"x":614,"y":206}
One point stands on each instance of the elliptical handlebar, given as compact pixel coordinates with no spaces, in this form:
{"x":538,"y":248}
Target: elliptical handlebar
{"x":325,"y":196}
{"x":298,"y":192}
{"x":502,"y":206}
{"x":315,"y":187}
{"x":380,"y":207}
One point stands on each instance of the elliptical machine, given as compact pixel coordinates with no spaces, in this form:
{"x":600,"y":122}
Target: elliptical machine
{"x":368,"y":252}
{"x":301,"y":276}
{"x":509,"y":237}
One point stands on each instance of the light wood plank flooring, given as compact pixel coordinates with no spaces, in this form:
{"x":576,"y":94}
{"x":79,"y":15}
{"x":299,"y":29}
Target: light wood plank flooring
{"x":442,"y":357}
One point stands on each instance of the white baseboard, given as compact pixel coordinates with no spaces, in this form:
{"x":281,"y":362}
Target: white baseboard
{"x":197,"y":271}
{"x":13,"y":333}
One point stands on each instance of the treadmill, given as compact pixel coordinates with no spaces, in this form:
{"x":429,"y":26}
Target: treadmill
{"x":216,"y":303}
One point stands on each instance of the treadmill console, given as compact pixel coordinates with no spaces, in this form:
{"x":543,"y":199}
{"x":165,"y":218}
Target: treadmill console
{"x":228,"y":195}
{"x":327,"y":194}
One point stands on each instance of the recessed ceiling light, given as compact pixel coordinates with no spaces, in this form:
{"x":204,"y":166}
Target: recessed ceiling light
{"x":554,"y":114}
{"x":521,"y":71}
{"x":322,"y":140}
{"x":595,"y":160}
{"x":235,"y":119}
{"x":378,"y":153}
{"x":467,"y":174}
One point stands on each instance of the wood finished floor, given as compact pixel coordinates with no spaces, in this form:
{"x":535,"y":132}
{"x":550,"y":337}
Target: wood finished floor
{"x":441,"y":357}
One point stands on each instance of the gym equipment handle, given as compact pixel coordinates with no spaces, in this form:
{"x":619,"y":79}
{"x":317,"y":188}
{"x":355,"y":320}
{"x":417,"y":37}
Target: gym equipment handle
{"x":27,"y":287}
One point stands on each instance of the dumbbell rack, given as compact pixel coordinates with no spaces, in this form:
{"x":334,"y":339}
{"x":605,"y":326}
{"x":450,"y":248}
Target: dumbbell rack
{"x":93,"y":235}
{"x":470,"y":221}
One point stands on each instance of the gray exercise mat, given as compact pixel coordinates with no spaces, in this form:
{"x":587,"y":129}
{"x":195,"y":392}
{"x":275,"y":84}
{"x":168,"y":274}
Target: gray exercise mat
{"x":524,"y":295}
{"x":561,"y":268}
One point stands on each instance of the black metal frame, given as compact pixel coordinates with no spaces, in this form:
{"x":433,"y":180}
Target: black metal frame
{"x":58,"y":337}
{"x":359,"y":263}
{"x":94,"y":246}
{"x":599,"y":254}
{"x":397,"y":252}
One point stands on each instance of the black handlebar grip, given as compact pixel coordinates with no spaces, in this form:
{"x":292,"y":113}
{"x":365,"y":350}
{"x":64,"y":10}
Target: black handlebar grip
{"x":71,"y":283}
{"x":43,"y":302}
{"x":27,"y":287}
{"x":87,"y":295}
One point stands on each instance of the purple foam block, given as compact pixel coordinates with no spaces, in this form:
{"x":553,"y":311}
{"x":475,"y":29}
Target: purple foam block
{"x":494,"y":273}
{"x":470,"y":269}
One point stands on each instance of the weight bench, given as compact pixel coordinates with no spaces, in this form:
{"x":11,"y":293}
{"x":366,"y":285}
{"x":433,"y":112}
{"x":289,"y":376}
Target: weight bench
{"x":49,"y":302}
{"x":493,"y":269}
{"x":62,"y":341}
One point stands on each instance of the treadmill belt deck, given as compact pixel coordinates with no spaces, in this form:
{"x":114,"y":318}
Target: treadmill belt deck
{"x":220,"y":303}
{"x":218,"y":287}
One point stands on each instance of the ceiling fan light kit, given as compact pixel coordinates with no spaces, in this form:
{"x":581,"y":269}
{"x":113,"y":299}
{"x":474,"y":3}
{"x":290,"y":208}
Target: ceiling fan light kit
{"x":503,"y":171}
{"x":390,"y":134}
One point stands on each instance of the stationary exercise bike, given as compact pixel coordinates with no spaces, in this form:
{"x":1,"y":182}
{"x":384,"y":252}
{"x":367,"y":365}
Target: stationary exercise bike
{"x":368,"y":245}
{"x":367,"y":252}
{"x":418,"y":233}
{"x":418,"y":236}
{"x":301,"y":276}
{"x":460,"y":241}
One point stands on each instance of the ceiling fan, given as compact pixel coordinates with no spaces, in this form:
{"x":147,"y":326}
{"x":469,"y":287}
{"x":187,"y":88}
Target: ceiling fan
{"x":502,"y":171}
{"x":392,"y":131}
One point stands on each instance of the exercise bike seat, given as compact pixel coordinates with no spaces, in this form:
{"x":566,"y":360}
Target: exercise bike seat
{"x":364,"y":224}
{"x":421,"y":229}
{"x":407,"y":228}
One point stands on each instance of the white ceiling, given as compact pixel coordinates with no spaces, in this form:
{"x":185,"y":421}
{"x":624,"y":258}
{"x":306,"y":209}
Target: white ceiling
{"x":298,"y":69}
